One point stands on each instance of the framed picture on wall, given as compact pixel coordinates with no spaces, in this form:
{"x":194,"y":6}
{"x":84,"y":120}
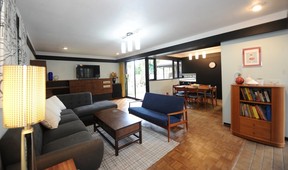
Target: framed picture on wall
{"x":252,"y":57}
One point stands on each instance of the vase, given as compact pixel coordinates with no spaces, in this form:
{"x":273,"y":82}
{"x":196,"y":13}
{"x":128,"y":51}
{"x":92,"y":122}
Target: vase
{"x":50,"y":76}
{"x":239,"y":79}
{"x":113,"y":80}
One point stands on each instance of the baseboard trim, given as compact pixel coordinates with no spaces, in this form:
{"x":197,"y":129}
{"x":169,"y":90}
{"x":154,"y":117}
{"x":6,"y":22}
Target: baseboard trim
{"x":227,"y":124}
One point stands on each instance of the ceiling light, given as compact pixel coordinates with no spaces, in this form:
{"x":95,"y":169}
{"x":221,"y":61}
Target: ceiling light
{"x":203,"y":54}
{"x":130,"y":39}
{"x":129,"y":45}
{"x":190,"y":56}
{"x":256,"y":8}
{"x":65,"y":48}
{"x":137,"y":43}
{"x":196,"y":56}
{"x":123,"y":47}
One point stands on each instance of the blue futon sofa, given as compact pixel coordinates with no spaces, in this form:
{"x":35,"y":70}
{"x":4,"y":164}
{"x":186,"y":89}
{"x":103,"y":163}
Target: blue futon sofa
{"x":163,"y":110}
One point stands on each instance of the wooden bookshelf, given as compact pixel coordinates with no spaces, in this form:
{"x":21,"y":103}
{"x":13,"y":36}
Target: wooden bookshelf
{"x":258,"y":113}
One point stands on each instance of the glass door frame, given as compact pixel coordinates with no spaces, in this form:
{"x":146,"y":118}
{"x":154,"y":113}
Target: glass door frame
{"x":134,"y":77}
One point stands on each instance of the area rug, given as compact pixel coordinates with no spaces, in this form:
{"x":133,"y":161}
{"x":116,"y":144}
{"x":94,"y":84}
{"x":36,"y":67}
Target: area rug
{"x":136,"y":156}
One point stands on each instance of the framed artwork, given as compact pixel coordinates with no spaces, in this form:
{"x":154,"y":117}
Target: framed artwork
{"x":252,"y":57}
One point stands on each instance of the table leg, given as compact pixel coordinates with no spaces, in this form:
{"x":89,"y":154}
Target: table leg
{"x":140,"y":134}
{"x":205,"y":100}
{"x":116,"y":148}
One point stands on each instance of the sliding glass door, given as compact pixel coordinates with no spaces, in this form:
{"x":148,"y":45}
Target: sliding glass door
{"x":136,"y":81}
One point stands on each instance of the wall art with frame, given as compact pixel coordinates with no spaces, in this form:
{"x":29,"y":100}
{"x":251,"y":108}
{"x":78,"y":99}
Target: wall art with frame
{"x":252,"y":57}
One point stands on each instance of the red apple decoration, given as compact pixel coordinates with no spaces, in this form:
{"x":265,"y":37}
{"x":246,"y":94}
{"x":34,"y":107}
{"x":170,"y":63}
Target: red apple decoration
{"x":239,"y":79}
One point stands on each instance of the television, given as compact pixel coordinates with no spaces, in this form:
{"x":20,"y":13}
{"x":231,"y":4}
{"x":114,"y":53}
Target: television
{"x":87,"y":71}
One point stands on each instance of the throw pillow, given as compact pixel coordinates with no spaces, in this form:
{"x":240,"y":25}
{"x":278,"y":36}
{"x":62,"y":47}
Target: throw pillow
{"x":52,"y":118}
{"x":58,"y":102}
{"x":50,"y":104}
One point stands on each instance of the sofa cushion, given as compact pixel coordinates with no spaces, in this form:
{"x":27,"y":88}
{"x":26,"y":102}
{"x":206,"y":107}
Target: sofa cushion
{"x":66,"y":118}
{"x":66,"y":141}
{"x":155,"y":117}
{"x":89,"y":110}
{"x":63,"y":130}
{"x":73,"y":100}
{"x":10,"y":147}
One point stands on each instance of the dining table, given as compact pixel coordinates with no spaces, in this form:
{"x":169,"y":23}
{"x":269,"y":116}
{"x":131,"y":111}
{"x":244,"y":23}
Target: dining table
{"x":203,"y":88}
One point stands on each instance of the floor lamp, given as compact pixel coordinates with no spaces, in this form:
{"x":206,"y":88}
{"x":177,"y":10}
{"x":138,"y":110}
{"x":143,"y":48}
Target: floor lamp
{"x":24,"y":104}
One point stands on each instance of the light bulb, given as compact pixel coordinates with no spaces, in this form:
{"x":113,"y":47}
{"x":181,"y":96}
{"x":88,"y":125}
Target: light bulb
{"x":137,"y":43}
{"x":203,"y":54}
{"x":129,"y":45}
{"x":257,"y":8}
{"x":196,"y":56}
{"x":123,"y":47}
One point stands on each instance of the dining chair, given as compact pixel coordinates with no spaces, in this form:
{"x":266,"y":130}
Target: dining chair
{"x":204,"y":92}
{"x":193,"y":96}
{"x":179,"y":91}
{"x":213,"y":95}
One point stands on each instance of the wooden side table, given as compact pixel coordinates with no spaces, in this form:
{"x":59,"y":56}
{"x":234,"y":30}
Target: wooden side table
{"x":66,"y":165}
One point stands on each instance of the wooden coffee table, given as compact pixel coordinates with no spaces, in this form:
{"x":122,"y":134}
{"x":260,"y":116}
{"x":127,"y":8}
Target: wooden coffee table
{"x":118,"y":125}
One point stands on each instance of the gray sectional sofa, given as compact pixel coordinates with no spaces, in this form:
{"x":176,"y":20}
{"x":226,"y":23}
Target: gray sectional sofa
{"x":70,"y":140}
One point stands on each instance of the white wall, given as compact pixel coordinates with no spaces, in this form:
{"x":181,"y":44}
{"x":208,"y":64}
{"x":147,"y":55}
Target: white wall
{"x":274,"y":53}
{"x":66,"y":70}
{"x":162,"y":86}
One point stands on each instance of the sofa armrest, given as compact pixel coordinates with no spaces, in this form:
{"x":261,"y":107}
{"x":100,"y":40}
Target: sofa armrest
{"x":86,"y":155}
{"x":184,"y":112}
{"x":177,"y":113}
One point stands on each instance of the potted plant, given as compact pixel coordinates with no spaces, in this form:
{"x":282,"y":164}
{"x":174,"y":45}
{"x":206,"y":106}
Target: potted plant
{"x":114,"y":77}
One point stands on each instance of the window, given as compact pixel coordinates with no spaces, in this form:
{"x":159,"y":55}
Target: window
{"x":175,"y":69}
{"x":180,"y":68}
{"x":151,"y":69}
{"x":164,"y":69}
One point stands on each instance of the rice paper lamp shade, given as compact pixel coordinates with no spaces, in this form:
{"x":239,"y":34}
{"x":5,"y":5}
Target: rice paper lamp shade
{"x":24,"y":93}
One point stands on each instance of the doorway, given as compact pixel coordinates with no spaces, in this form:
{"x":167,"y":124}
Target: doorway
{"x":136,"y":81}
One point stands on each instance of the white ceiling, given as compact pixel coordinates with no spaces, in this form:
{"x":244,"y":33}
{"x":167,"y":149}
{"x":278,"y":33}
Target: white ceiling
{"x":93,"y":28}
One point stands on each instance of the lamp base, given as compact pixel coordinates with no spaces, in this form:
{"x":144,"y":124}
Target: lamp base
{"x":27,"y":149}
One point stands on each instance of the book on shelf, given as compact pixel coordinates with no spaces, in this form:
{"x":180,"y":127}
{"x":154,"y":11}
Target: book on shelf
{"x":243,"y":94}
{"x":255,"y":94}
{"x":248,"y":94}
{"x":268,"y":112}
{"x":266,"y":96}
{"x":252,"y":95}
{"x":256,"y":111}
{"x":261,"y":112}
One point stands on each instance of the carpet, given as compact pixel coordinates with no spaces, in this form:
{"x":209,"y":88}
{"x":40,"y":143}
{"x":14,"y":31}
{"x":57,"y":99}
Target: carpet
{"x":136,"y":156}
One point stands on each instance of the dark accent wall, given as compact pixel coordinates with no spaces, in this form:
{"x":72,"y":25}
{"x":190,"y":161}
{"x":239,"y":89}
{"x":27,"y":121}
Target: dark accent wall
{"x":204,"y":74}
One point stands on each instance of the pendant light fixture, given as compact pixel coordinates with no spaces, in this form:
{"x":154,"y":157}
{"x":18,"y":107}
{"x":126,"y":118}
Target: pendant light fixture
{"x":129,"y":40}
